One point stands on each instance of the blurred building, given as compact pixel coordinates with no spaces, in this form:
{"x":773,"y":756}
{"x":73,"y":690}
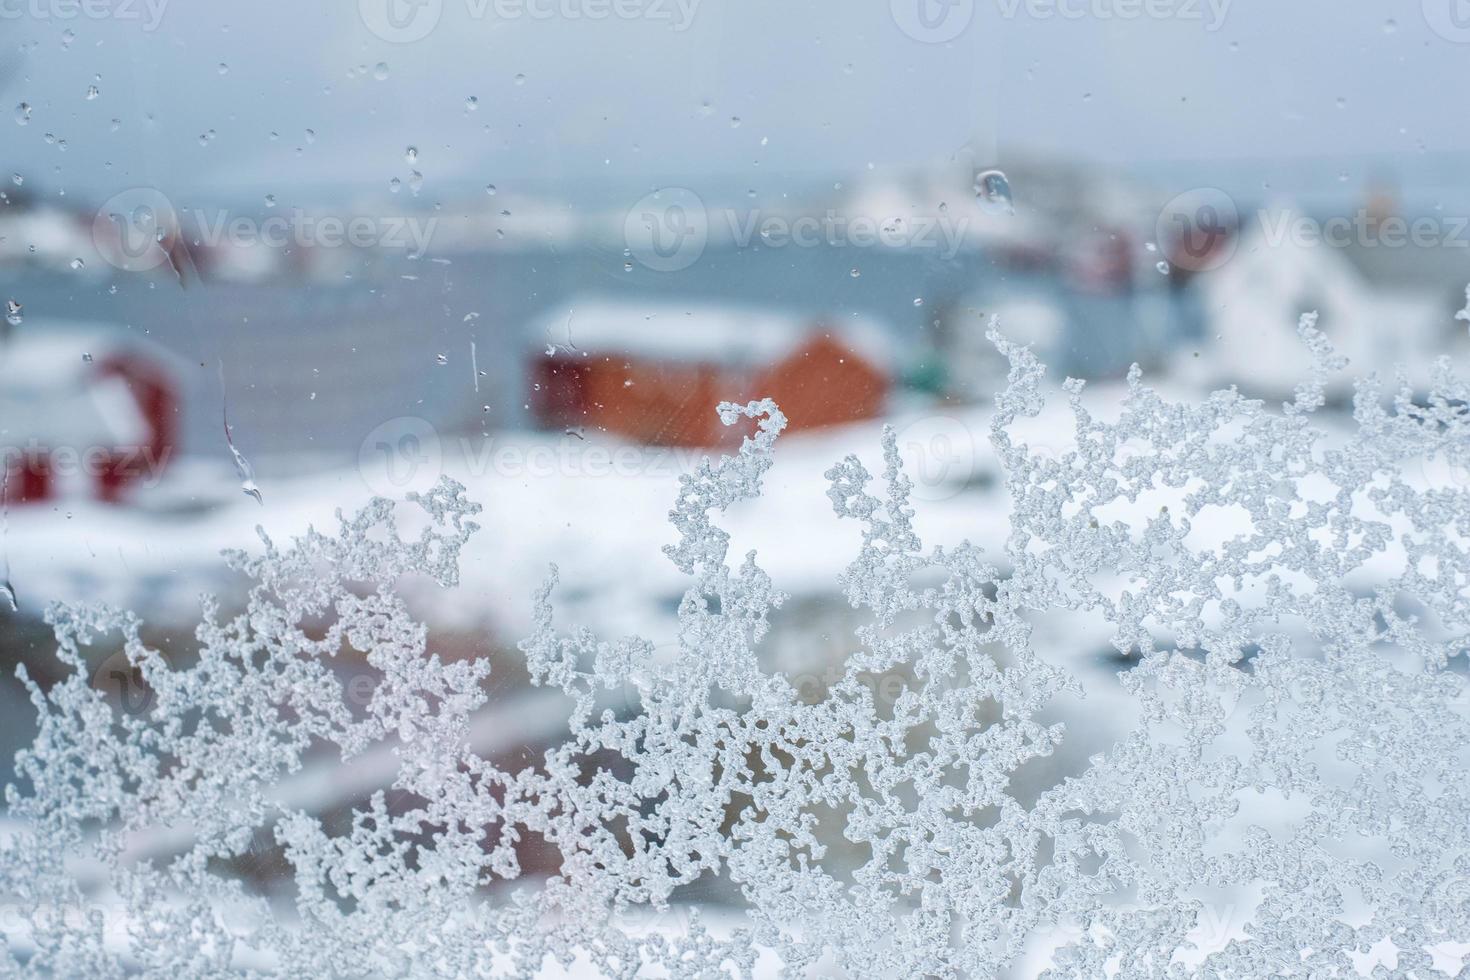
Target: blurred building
{"x":1380,"y":305}
{"x":653,"y":371}
{"x":86,"y":410}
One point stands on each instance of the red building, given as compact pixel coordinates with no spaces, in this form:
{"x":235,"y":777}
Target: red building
{"x":85,"y":411}
{"x":654,"y":373}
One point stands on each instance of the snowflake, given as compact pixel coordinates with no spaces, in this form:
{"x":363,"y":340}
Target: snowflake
{"x":1290,"y":801}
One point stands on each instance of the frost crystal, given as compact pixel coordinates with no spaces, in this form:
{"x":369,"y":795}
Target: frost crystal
{"x":1288,"y":796}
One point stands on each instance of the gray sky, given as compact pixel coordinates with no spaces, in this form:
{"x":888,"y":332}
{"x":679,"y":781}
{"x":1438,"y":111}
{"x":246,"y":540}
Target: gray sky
{"x":818,"y":88}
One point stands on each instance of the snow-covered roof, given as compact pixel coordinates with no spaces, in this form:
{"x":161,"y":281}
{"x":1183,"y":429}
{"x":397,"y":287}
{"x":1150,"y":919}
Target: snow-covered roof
{"x":702,"y":332}
{"x":51,"y":392}
{"x":1253,"y":302}
{"x":47,"y":235}
{"x":43,"y":354}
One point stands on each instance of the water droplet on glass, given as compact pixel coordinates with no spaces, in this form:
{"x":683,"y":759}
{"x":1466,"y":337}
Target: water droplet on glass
{"x":1390,"y":26}
{"x":627,"y":267}
{"x":855,"y":273}
{"x":520,"y":79}
{"x":490,"y":189}
{"x":13,"y":312}
{"x":471,"y":104}
{"x":918,"y":301}
{"x":92,"y":92}
{"x":17,"y":179}
{"x":68,"y":36}
{"x":22,"y":114}
{"x":78,"y":264}
{"x":734,"y":122}
{"x":993,"y":191}
{"x":1341,"y":102}
{"x":223,"y":68}
{"x":393,"y":184}
{"x":380,"y":71}
{"x":310,"y":135}
{"x":415,"y":181}
{"x":442,"y":358}
{"x":270,"y":200}
{"x":411,"y":154}
{"x":1162,"y":266}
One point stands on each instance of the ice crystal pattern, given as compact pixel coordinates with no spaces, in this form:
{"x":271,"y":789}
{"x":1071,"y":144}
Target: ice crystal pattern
{"x":1300,"y":743}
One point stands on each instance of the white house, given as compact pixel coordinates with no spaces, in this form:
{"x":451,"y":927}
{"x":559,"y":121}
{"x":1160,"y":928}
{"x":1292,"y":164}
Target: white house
{"x":1278,"y":271}
{"x":85,"y":410}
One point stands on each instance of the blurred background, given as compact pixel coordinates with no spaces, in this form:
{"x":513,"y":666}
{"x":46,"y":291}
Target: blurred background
{"x":263,"y":261}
